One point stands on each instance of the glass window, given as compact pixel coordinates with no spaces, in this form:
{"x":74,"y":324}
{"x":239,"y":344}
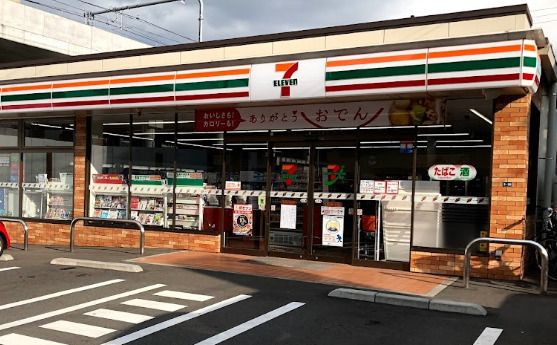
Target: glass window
{"x":110,"y":159}
{"x":246,"y":174}
{"x":9,"y":184}
{"x":198,"y":203}
{"x":49,"y":132}
{"x":453,"y":177}
{"x":48,"y":185}
{"x":9,"y":133}
{"x":152,"y":161}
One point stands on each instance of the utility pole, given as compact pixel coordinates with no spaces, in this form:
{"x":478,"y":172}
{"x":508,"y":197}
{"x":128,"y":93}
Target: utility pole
{"x":90,"y":15}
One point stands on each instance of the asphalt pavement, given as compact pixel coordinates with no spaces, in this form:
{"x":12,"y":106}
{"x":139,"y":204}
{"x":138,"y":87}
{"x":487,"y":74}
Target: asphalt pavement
{"x":48,"y":304}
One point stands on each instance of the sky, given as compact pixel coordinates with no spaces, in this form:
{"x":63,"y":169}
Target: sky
{"x":239,"y":18}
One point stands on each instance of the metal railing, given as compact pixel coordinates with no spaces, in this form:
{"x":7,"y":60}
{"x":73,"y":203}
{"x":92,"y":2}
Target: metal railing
{"x":539,"y":247}
{"x":25,"y":230}
{"x":104,"y":220}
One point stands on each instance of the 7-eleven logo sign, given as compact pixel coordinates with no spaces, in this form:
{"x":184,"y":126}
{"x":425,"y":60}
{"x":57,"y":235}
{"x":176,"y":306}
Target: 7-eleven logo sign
{"x":286,"y":82}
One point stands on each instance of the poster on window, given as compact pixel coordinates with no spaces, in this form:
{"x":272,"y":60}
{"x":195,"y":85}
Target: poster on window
{"x":242,"y":219}
{"x":333,"y":226}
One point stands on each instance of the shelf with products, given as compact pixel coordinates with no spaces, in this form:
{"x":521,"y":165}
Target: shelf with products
{"x":34,"y":200}
{"x":187,"y":210}
{"x":148,"y":201}
{"x":109,"y":197}
{"x":59,"y":200}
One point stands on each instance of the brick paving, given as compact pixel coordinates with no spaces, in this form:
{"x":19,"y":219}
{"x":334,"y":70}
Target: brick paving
{"x":307,"y":271}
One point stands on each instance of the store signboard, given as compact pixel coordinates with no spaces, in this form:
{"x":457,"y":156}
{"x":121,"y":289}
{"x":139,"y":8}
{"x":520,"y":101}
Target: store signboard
{"x":367,"y":186}
{"x":287,"y":80}
{"x":152,"y":180}
{"x":333,"y":226}
{"x":242,"y":220}
{"x":316,"y":116}
{"x":392,"y":187}
{"x":108,"y":178}
{"x":450,"y":172}
{"x":233,"y":185}
{"x":379,"y":187}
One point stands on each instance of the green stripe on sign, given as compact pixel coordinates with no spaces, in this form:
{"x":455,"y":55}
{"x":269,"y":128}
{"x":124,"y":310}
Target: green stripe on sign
{"x":26,"y":97}
{"x":80,"y":93}
{"x":376,"y":72}
{"x":530,"y":62}
{"x":141,"y":89}
{"x":473,"y":65}
{"x":214,"y":84}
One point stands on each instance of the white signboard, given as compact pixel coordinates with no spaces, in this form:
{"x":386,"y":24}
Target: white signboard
{"x":287,"y":80}
{"x":367,"y":186}
{"x":332,"y":211}
{"x":450,"y":172}
{"x":392,"y":187}
{"x":333,"y":231}
{"x":380,"y":187}
{"x":287,"y":216}
{"x":233,"y":185}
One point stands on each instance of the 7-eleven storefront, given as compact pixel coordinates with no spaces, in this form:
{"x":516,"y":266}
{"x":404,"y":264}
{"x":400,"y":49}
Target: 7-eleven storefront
{"x":394,"y":158}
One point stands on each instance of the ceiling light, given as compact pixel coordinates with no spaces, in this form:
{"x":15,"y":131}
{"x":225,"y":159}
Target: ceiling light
{"x":481,"y":116}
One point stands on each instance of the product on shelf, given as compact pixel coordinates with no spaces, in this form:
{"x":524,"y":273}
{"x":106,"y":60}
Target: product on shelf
{"x":110,"y":206}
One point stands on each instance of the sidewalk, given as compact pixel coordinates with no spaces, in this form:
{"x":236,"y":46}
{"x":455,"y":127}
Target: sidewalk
{"x":307,"y":271}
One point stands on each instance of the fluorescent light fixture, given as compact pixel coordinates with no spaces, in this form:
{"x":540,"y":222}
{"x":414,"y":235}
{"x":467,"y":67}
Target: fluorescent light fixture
{"x":481,"y":116}
{"x":443,"y":134}
{"x":334,"y":147}
{"x":257,"y":131}
{"x":197,"y":145}
{"x":279,"y":130}
{"x":388,"y":142}
{"x":407,"y":127}
{"x":242,"y":144}
{"x":292,"y":148}
{"x":126,"y":136}
{"x":254,"y":148}
{"x":462,"y":146}
{"x":154,"y":133}
{"x":460,"y":141}
{"x":155,"y":122}
{"x":46,"y":126}
{"x":201,"y":139}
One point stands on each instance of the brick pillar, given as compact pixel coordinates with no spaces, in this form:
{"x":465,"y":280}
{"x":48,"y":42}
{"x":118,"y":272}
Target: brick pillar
{"x":79,"y":165}
{"x":508,"y":204}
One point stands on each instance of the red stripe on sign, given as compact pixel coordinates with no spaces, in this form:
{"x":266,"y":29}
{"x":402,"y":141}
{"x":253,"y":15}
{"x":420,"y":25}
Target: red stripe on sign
{"x":367,"y":86}
{"x":26,"y":106}
{"x":475,"y":79}
{"x":527,"y":76}
{"x":212,"y":96}
{"x":142,"y":100}
{"x":80,"y":103}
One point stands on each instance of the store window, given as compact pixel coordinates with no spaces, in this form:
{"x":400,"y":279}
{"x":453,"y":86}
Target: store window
{"x":453,"y":177}
{"x":152,"y":156}
{"x":9,"y":134}
{"x":49,"y":133}
{"x":198,"y":179}
{"x":384,"y":199}
{"x":246,"y":180}
{"x":110,"y":161}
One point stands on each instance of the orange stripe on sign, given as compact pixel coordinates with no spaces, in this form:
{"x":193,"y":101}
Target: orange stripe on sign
{"x":27,"y":88}
{"x":530,"y":47}
{"x":142,"y":79}
{"x":283,"y":67}
{"x":378,"y":59}
{"x":81,"y":83}
{"x":192,"y":75}
{"x":475,"y":51}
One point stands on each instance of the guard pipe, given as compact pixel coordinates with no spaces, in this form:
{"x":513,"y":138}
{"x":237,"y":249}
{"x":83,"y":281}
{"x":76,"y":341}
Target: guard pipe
{"x":539,"y":247}
{"x":25,"y":230}
{"x":551,"y":152}
{"x":104,"y":220}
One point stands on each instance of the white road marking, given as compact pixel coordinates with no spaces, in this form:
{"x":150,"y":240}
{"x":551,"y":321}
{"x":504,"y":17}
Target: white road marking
{"x":145,"y":303}
{"x":489,"y":336}
{"x":119,"y":316}
{"x":60,"y":293}
{"x":175,"y":321}
{"x":17,"y":339}
{"x":78,"y":328}
{"x":77,"y":307}
{"x":184,"y":295}
{"x":246,"y":326}
{"x":9,"y":268}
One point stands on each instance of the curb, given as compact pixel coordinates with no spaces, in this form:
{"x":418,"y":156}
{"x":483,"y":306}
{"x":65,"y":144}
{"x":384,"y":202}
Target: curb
{"x":115,"y":266}
{"x":410,"y":301}
{"x":6,"y":257}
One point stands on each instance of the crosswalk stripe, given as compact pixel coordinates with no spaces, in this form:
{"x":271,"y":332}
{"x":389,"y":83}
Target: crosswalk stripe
{"x":119,"y":316}
{"x":78,"y":328}
{"x":77,"y":307}
{"x":60,"y":293}
{"x":489,"y":336}
{"x":175,"y":321}
{"x":246,"y":326}
{"x":9,"y":268}
{"x":144,"y":303}
{"x":183,"y":295}
{"x":18,"y":339}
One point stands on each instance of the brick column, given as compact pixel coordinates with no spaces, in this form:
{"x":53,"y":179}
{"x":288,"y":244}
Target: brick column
{"x":79,"y":165}
{"x":510,"y":164}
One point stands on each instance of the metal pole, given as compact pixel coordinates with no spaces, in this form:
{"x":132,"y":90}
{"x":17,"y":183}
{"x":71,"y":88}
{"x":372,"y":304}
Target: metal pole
{"x":551,"y":150}
{"x":539,"y":247}
{"x":25,"y":230}
{"x":126,"y":221}
{"x":200,"y":20}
